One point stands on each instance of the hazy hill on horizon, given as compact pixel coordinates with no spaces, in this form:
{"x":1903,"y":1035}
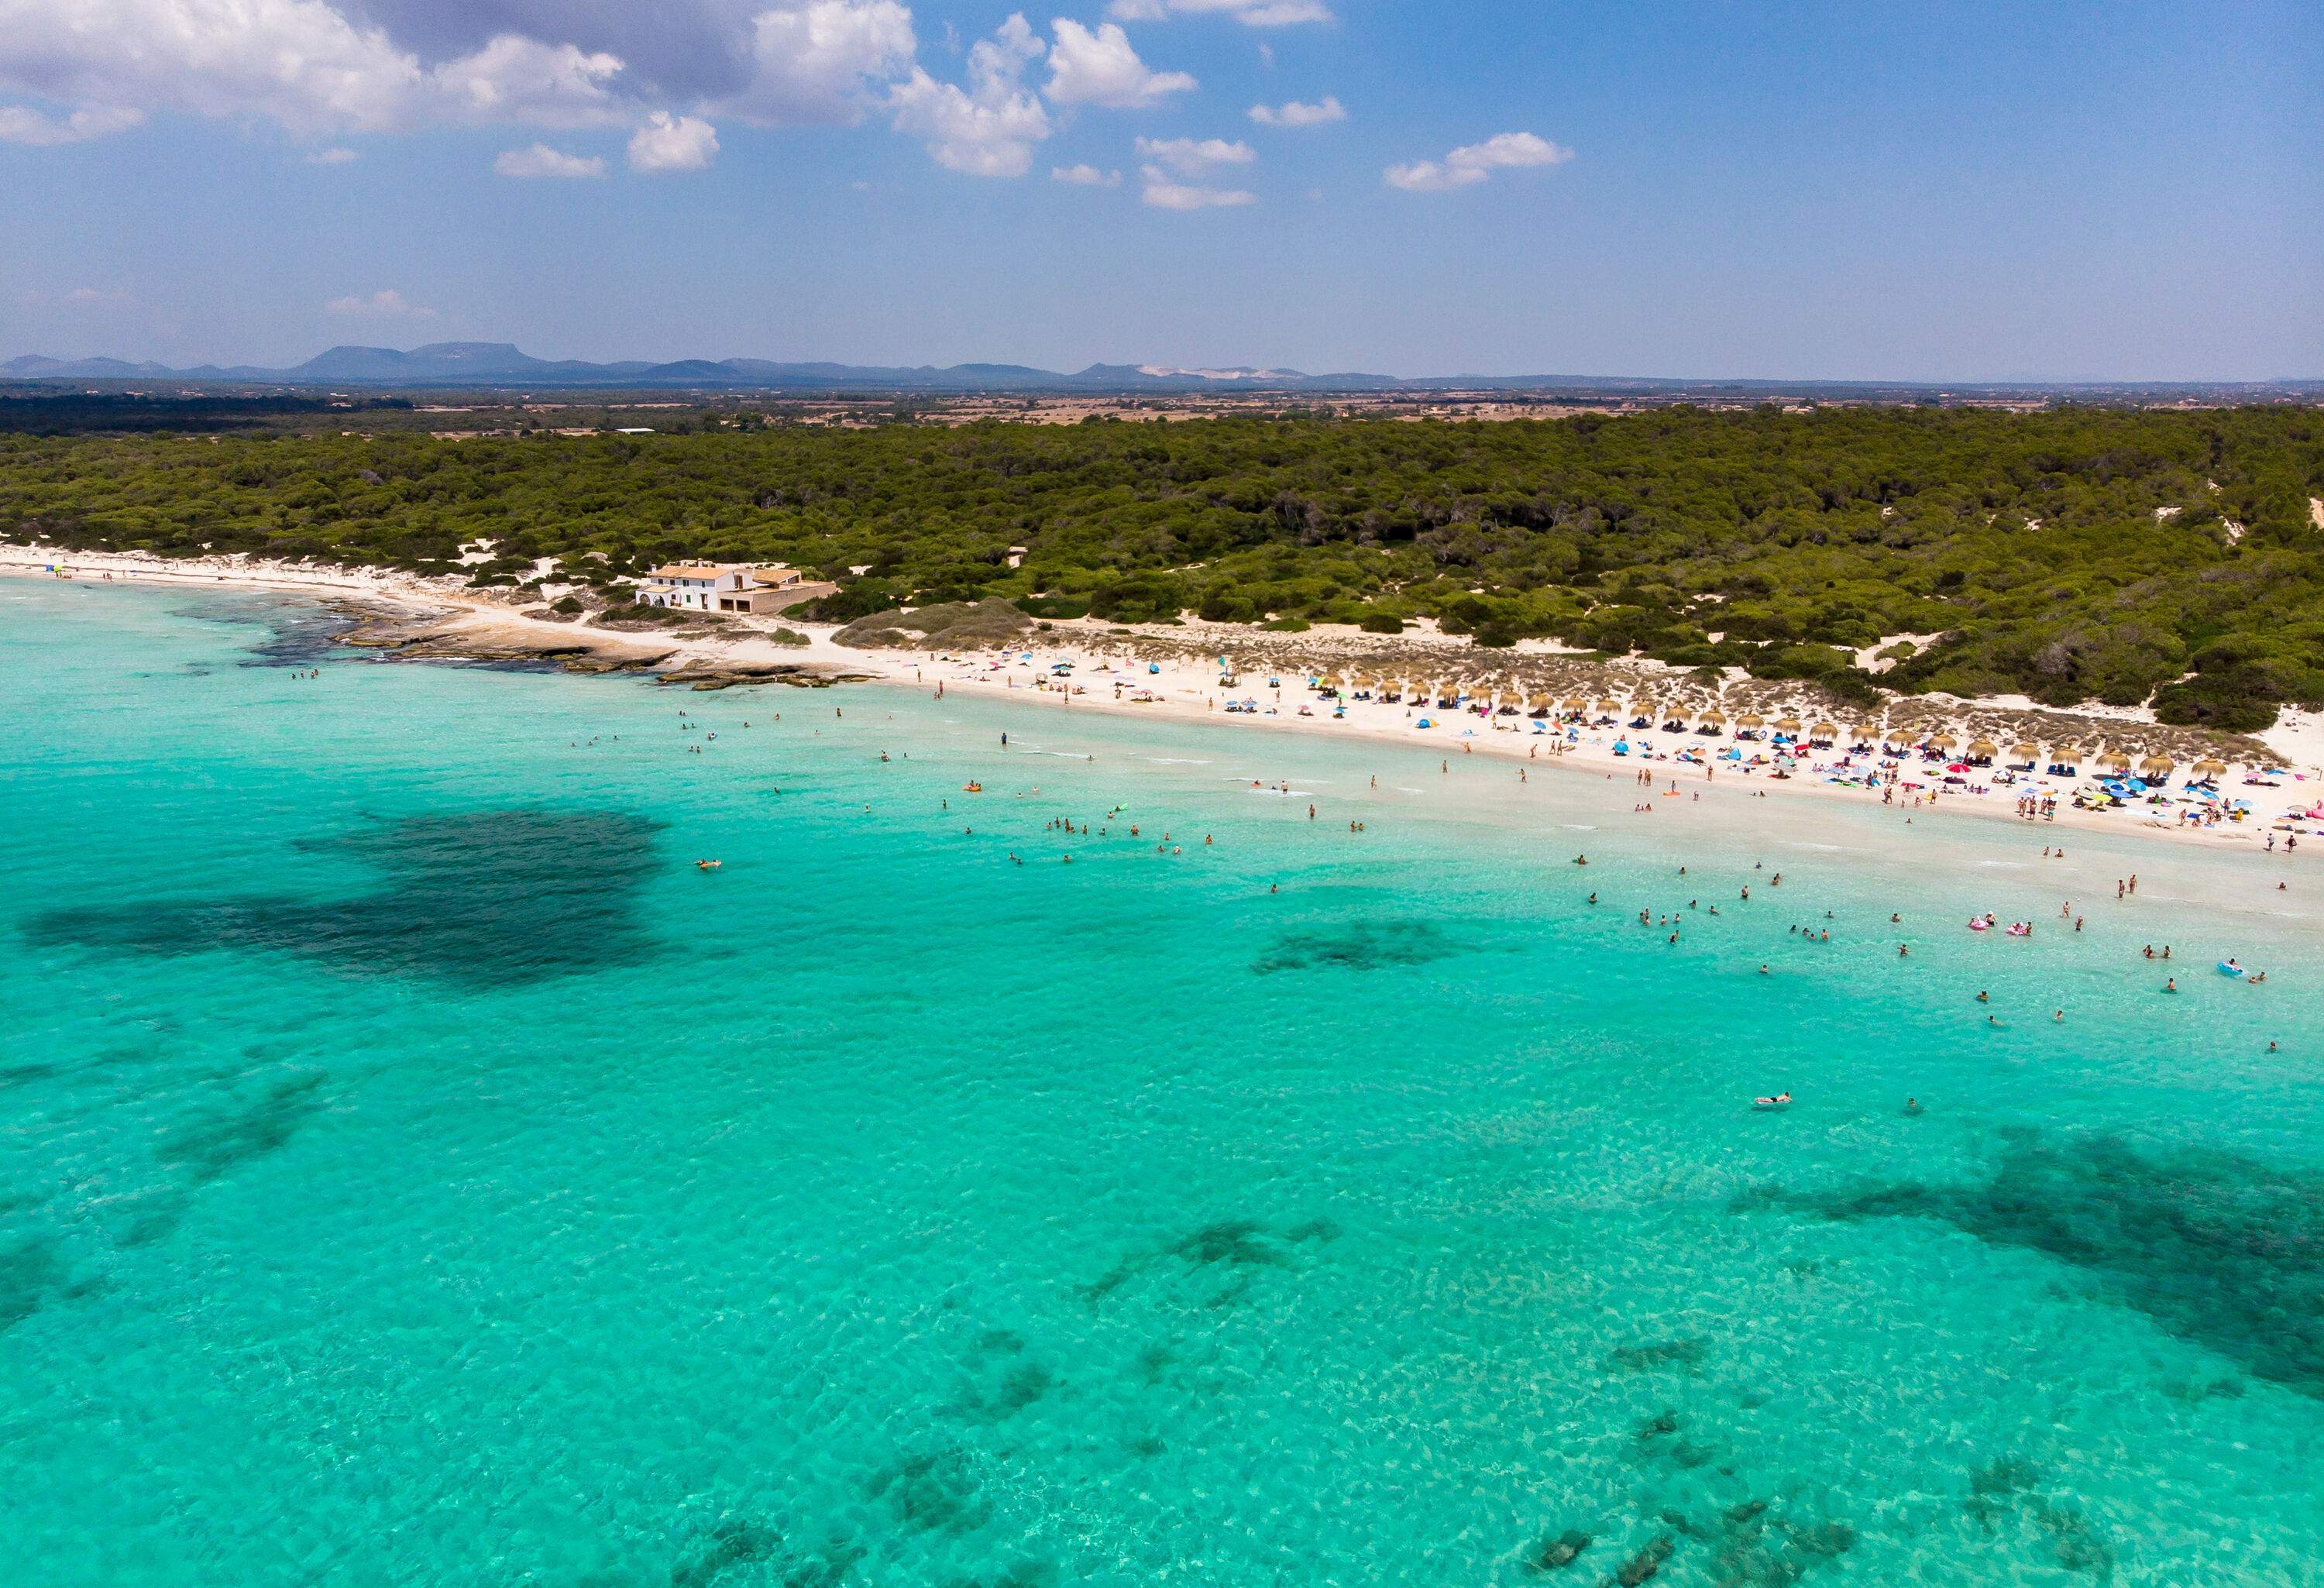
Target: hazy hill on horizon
{"x":503,"y":363}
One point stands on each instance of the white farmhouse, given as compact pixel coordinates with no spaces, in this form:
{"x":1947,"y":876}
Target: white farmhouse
{"x":727,"y":586}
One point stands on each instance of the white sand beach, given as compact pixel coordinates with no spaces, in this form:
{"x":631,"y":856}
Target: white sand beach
{"x":1088,"y":667}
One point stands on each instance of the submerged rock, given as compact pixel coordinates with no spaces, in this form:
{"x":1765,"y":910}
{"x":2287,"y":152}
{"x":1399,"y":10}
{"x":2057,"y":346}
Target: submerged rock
{"x":1647,"y":1562}
{"x":2217,"y":1248}
{"x":1554,"y":1554}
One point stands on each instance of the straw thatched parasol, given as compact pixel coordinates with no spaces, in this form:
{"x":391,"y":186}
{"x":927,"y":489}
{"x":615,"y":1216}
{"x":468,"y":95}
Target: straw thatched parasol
{"x":1900,"y":736}
{"x":2114,"y":759}
{"x":2024,"y":749}
{"x":1574,"y":702}
{"x":1942,"y":742}
{"x":2154,"y":766}
{"x":1824,"y":732}
{"x":1867,"y":733}
{"x":2207,"y":768}
{"x":1787,"y":724}
{"x":1984,"y":747}
{"x":1607,"y":705}
{"x":1751,"y":720}
{"x":1714,"y":715}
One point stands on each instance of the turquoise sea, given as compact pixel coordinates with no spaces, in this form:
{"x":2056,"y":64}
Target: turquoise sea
{"x":414,"y":1169}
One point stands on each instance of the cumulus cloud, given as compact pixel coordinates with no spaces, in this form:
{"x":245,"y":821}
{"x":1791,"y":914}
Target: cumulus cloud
{"x":1253,"y":13}
{"x":1472,"y":163}
{"x":1101,"y":68}
{"x":301,"y":63}
{"x":333,"y":157}
{"x":1191,"y":158}
{"x":811,"y":59}
{"x":670,"y":143}
{"x":988,"y":128}
{"x":319,"y":66}
{"x":541,"y":160}
{"x":20,"y":124}
{"x":1295,"y":115}
{"x":1085,"y":176}
{"x":521,"y":79}
{"x":1162,"y":191}
{"x":387,"y":304}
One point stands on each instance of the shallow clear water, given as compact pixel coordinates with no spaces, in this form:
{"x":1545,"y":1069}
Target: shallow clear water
{"x":415,"y":1170}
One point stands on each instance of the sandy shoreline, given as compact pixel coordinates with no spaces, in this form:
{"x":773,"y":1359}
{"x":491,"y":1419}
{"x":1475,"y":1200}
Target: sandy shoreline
{"x":1155,"y":676}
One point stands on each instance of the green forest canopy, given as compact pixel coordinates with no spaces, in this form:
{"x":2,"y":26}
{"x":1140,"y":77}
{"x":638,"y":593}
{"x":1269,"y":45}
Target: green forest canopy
{"x":2069,"y":555}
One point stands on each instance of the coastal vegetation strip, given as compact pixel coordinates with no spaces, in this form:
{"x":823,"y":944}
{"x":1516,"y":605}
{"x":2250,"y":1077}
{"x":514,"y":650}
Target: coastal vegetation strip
{"x":2161,"y":558}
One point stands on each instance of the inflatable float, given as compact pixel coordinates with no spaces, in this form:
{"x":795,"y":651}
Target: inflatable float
{"x":1780,"y":1100}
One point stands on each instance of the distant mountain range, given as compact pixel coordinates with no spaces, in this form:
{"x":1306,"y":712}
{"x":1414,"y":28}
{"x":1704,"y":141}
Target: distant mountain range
{"x":501,"y":365}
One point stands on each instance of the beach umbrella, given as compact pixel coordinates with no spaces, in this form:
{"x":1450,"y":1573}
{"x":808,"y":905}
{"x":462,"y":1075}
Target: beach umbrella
{"x":1574,"y":702}
{"x":1787,"y":724}
{"x":1942,"y":742}
{"x":2024,"y":749}
{"x":1984,"y":747}
{"x":2155,"y":768}
{"x":1715,"y":716}
{"x":2211,"y":769}
{"x":1900,"y":736}
{"x":1609,"y":706}
{"x":1751,"y":720}
{"x":1823,"y":732}
{"x":2115,"y":760}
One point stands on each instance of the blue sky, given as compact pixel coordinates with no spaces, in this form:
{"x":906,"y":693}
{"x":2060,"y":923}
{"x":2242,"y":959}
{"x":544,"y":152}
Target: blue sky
{"x":1876,"y":190}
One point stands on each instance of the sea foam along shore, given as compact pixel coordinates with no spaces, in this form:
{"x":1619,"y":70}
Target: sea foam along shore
{"x":1113,"y":675}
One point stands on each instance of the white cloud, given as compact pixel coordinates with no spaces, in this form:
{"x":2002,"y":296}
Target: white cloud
{"x":20,"y":124}
{"x":1100,"y":67}
{"x":670,"y":143}
{"x":1191,"y":158}
{"x":811,"y":59}
{"x":1085,"y":176}
{"x":1161,"y":192}
{"x":93,"y":298}
{"x":541,"y":160}
{"x":301,"y":63}
{"x":333,"y":157}
{"x":1295,"y":115}
{"x":513,"y":78}
{"x":1472,"y":163}
{"x":387,"y":304}
{"x":989,"y":128}
{"x":1255,"y":13}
